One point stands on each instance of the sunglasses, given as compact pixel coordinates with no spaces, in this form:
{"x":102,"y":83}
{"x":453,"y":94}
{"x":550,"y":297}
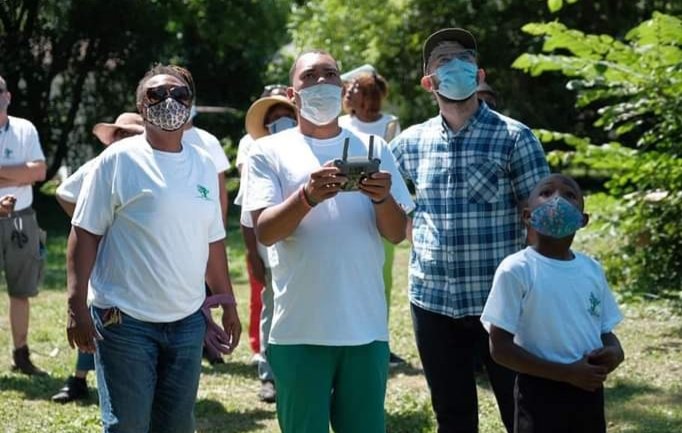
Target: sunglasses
{"x":160,"y":93}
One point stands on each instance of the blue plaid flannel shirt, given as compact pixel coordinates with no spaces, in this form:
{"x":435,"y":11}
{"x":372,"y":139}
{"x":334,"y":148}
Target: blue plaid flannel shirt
{"x":469,"y":185}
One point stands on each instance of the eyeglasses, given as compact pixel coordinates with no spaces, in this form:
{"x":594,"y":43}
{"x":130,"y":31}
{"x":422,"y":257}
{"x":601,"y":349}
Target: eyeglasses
{"x":464,"y":55}
{"x":159,"y":93}
{"x":271,"y":87}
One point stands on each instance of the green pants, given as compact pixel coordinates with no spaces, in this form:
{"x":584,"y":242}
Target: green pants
{"x":344,"y":385}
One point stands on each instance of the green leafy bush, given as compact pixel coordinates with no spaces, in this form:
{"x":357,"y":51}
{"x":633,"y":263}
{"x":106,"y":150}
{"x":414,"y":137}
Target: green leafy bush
{"x":636,"y":86}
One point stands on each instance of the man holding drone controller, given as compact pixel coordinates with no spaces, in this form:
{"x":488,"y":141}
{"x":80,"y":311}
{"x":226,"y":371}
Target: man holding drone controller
{"x":328,"y":344}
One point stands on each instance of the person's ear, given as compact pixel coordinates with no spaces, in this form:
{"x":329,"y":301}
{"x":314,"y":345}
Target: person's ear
{"x":525,"y":217}
{"x":480,"y":76}
{"x":427,"y":83}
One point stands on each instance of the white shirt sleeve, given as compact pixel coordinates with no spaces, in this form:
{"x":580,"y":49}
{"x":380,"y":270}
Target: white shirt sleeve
{"x":264,"y":188}
{"x":503,"y":307}
{"x":399,"y":190}
{"x":35,"y":151}
{"x":70,"y":188}
{"x":97,"y":200}
{"x":611,"y":315}
{"x":243,"y":150}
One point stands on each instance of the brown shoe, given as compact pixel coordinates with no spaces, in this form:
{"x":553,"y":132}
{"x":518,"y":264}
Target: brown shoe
{"x":23,"y":364}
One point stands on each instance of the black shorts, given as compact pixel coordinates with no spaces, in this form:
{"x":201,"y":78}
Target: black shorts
{"x":546,"y":406}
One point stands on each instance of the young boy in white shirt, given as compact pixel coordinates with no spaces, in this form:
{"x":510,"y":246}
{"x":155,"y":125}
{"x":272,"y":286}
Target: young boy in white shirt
{"x":550,"y":315}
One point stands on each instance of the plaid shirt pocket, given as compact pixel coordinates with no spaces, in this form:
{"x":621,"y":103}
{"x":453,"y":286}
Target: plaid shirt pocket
{"x":482,"y":180}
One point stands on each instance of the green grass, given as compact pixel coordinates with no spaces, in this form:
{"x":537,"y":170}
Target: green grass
{"x":643,"y":395}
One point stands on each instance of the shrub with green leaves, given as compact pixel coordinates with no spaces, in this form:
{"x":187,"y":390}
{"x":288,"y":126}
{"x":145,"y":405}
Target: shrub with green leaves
{"x":636,"y":85}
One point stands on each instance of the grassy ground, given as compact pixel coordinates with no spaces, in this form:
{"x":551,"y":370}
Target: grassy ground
{"x":644,"y":395}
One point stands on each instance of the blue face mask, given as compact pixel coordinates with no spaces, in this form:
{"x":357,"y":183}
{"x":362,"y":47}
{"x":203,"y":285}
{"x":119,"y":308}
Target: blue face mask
{"x":457,"y":79}
{"x":556,"y":218}
{"x":279,"y":125}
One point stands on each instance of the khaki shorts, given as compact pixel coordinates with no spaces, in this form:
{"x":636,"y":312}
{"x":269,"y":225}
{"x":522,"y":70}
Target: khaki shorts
{"x":21,"y":256}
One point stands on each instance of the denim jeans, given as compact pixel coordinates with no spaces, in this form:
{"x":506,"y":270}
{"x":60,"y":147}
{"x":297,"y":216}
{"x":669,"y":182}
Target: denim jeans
{"x":447,"y":348}
{"x":85,"y":361}
{"x":148,"y":373}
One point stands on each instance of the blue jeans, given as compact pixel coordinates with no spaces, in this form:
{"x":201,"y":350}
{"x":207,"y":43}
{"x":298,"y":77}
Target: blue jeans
{"x":85,"y":361}
{"x":148,"y":373}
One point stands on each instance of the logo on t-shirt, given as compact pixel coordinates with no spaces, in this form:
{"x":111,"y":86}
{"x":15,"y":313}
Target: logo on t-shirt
{"x":594,"y":305}
{"x":203,"y":192}
{"x":8,"y":153}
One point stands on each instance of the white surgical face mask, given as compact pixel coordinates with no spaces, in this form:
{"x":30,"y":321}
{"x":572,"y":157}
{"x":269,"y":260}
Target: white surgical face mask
{"x":321,"y":103}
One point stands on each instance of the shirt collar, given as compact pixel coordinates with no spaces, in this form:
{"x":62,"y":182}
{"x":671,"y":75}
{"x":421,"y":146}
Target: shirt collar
{"x":6,"y":127}
{"x":447,"y":133}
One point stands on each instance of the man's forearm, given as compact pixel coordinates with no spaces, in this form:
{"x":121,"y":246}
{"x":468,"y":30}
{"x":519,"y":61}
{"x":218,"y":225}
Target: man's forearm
{"x":81,"y":252}
{"x":278,"y":222}
{"x":222,"y":190}
{"x":23,"y":174}
{"x":391,"y":220}
{"x":217,"y":269}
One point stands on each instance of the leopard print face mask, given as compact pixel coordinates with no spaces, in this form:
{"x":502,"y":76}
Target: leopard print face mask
{"x":169,"y":114}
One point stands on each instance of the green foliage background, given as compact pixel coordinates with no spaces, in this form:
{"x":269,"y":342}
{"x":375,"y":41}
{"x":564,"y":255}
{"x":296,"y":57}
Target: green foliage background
{"x":635,"y":86}
{"x":599,"y":81}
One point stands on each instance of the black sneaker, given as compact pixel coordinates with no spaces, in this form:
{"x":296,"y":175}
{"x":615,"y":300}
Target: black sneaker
{"x":75,"y":388}
{"x":395,"y":361}
{"x":23,"y":364}
{"x":267,"y":392}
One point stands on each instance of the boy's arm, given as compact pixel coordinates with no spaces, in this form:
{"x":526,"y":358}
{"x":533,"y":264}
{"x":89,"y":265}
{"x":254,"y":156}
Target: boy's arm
{"x":609,"y":356}
{"x":507,"y":353}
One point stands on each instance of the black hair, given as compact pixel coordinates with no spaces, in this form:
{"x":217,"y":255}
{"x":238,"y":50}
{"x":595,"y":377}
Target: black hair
{"x":310,"y":51}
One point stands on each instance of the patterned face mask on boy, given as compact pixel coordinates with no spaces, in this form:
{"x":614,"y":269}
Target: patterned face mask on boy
{"x":556,"y":218}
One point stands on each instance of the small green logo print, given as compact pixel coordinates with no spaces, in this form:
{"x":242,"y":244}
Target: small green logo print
{"x":203,"y":192}
{"x":594,"y":305}
{"x":8,"y":153}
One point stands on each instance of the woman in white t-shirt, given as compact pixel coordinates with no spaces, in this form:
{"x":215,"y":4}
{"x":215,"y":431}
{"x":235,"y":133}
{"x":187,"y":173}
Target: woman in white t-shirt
{"x":147,"y":230}
{"x":364,"y":96}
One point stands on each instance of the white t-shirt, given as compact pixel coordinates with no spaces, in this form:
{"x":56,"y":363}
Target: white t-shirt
{"x":157,"y":212}
{"x":267,"y":254}
{"x":70,"y":188}
{"x":378,"y":127}
{"x":556,"y":309}
{"x":328,"y":285}
{"x":19,"y":144}
{"x":210,"y":144}
{"x":243,"y":150}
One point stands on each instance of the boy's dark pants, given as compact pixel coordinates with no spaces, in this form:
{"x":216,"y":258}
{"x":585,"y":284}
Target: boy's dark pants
{"x":448,"y":348}
{"x":546,"y":406}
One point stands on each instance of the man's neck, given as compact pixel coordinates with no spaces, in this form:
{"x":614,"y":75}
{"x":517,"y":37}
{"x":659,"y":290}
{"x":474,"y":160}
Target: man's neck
{"x":4,"y":118}
{"x":457,"y":114}
{"x":309,"y":129}
{"x":164,"y":141}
